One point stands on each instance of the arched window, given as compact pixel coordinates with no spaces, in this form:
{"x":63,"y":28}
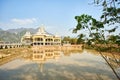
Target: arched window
{"x":38,"y":39}
{"x":56,"y":40}
{"x":48,"y":39}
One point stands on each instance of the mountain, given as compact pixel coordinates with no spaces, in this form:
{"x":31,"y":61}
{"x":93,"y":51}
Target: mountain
{"x":14,"y":35}
{"x":7,"y":36}
{"x":21,"y":30}
{"x":0,"y":29}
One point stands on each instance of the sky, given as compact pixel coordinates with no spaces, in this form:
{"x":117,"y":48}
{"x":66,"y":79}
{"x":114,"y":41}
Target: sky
{"x":56,"y":15}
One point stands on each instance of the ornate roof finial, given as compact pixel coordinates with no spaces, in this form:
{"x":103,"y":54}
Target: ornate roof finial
{"x":56,"y":34}
{"x":42,"y":30}
{"x":42,"y":24}
{"x":27,"y":34}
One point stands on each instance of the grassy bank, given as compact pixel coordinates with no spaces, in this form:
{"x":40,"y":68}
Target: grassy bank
{"x":104,"y":48}
{"x":13,"y":51}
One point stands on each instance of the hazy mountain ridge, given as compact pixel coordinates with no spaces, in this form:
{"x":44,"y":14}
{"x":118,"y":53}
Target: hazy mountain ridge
{"x":14,"y":35}
{"x":21,"y":29}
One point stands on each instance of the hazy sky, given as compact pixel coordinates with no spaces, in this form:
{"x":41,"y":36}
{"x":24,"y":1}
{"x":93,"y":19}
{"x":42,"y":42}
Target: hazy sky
{"x":56,"y":15}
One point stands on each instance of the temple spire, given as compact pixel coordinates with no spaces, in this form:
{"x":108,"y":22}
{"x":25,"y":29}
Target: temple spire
{"x":42,"y":29}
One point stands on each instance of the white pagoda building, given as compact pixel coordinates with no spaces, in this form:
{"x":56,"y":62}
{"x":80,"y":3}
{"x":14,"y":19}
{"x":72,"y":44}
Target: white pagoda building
{"x":41,"y":38}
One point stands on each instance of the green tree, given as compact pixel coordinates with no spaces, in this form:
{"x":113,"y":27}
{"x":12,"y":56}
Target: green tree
{"x":111,"y":11}
{"x":71,"y":40}
{"x":114,"y":39}
{"x":95,"y":28}
{"x":66,"y":38}
{"x":110,"y":17}
{"x":80,"y":39}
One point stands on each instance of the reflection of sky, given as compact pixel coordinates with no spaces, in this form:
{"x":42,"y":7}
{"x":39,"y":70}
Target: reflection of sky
{"x":84,"y":66}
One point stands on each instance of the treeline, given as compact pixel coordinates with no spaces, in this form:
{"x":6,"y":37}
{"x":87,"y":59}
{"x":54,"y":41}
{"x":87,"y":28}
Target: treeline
{"x":111,"y":40}
{"x":72,"y":40}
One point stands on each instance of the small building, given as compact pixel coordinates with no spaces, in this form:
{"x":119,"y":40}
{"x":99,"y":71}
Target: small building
{"x":41,"y":37}
{"x":27,"y":39}
{"x":66,"y":43}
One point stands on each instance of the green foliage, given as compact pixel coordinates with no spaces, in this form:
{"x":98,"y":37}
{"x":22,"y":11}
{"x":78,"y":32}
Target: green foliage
{"x":95,"y":28}
{"x":71,"y":40}
{"x":80,"y":39}
{"x":66,"y":38}
{"x":82,"y":22}
{"x":110,"y":16}
{"x":113,"y":29}
{"x":111,"y":11}
{"x":114,"y":39}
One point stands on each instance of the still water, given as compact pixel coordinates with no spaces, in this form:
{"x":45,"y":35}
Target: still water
{"x":60,"y":65}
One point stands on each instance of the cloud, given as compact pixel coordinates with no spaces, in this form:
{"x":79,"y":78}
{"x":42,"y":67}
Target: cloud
{"x":18,"y":23}
{"x":24,"y":21}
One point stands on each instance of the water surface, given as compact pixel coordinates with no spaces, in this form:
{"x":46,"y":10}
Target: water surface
{"x":59,"y":65}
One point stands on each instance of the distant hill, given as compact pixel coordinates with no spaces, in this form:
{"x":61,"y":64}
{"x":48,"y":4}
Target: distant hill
{"x":14,"y":35}
{"x":0,"y":29}
{"x":21,"y":30}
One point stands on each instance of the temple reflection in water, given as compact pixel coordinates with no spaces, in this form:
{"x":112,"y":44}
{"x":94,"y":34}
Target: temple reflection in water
{"x":40,"y":56}
{"x":43,"y":55}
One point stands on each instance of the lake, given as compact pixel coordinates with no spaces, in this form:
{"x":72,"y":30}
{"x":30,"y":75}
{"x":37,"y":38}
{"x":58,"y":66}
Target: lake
{"x":60,"y":65}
